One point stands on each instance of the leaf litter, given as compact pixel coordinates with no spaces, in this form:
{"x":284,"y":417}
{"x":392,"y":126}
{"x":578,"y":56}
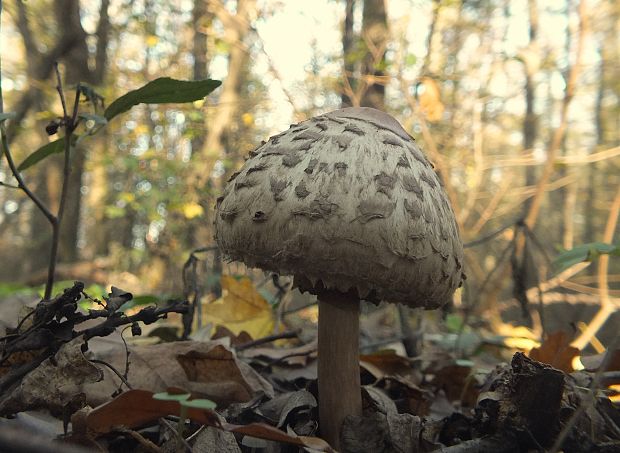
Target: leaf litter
{"x":265,"y":395}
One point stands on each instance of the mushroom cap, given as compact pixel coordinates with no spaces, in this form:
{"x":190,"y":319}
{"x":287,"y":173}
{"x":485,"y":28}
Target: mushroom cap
{"x":345,"y":201}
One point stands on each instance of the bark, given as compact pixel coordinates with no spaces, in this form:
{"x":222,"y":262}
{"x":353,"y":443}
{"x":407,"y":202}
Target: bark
{"x":237,"y":28}
{"x":567,"y":195}
{"x":71,"y":49}
{"x":348,"y":41}
{"x":558,"y":133}
{"x":77,"y":71}
{"x":201,"y":18}
{"x":375,"y":36}
{"x":430,"y":37}
{"x":530,"y":58}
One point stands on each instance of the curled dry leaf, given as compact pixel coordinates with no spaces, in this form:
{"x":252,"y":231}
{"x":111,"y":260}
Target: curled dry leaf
{"x":278,"y":409}
{"x":55,"y":384}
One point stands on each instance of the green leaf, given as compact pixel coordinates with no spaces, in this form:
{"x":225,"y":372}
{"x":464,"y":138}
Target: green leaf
{"x":165,"y":396}
{"x":145,"y":299}
{"x":584,"y":252}
{"x":199,"y":404}
{"x":55,"y":147}
{"x":162,"y":91}
{"x":7,"y":116}
{"x":14,"y":289}
{"x":410,"y":60}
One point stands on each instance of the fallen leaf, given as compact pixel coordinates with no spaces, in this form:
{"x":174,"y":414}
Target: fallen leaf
{"x":458,"y":383}
{"x":212,"y":439}
{"x":278,"y":409}
{"x":205,"y":368}
{"x":56,"y":383}
{"x":387,"y":364}
{"x":429,"y":97}
{"x":235,"y":340}
{"x":218,"y":374}
{"x":241,"y":308}
{"x":556,"y":351}
{"x":137,"y":408}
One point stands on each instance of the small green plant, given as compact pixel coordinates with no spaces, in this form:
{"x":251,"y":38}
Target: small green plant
{"x":584,"y":252}
{"x":185,"y":404}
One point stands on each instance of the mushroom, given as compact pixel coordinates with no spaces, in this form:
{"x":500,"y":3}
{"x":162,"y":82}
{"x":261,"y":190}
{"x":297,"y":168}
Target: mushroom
{"x":348,"y":205}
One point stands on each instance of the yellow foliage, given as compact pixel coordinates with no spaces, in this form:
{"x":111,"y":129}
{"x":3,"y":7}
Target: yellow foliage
{"x":151,"y":40}
{"x":241,"y":307}
{"x":247,"y":118}
{"x":429,"y":97}
{"x":142,"y":129}
{"x":191,"y":210}
{"x":127,"y":197}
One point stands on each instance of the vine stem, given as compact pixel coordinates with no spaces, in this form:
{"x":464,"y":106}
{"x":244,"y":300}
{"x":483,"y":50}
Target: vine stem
{"x":70,"y":123}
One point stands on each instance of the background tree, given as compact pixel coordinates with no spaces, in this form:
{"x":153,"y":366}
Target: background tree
{"x":516,"y":104}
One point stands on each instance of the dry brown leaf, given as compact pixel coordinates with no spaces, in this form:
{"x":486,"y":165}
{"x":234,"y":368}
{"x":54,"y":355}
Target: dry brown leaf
{"x":235,"y":340}
{"x":387,"y":364}
{"x":56,"y":383}
{"x":556,"y":351}
{"x":205,"y":368}
{"x":429,"y":98}
{"x":457,"y":383}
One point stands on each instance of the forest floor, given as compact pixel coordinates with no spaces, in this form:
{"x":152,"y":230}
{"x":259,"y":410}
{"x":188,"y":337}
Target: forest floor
{"x":101,"y":390}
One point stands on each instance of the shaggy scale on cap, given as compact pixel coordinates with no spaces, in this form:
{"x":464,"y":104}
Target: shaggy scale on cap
{"x":345,"y":201}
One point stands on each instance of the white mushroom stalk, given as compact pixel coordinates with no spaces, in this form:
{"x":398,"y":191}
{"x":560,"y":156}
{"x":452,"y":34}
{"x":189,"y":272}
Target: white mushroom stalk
{"x":348,"y":204}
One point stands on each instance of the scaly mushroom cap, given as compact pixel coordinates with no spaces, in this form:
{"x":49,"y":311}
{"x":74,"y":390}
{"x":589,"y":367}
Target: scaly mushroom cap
{"x":345,"y":201}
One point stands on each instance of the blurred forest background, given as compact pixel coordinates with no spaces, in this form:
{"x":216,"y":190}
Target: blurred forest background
{"x":517,"y":103}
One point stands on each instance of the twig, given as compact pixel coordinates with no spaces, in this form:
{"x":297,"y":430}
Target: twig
{"x":268,"y":339}
{"x":8,"y":186}
{"x":127,"y":353}
{"x":147,"y":315}
{"x":191,"y":290}
{"x":118,"y":373}
{"x":176,"y":433}
{"x":143,"y":441}
{"x":69,"y":123}
{"x":288,"y":356}
{"x":490,"y":236}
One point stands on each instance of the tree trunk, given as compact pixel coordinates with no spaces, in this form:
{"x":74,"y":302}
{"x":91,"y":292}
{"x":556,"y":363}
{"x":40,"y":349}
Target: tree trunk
{"x":77,"y":71}
{"x":237,"y":27}
{"x":430,"y":38}
{"x":375,"y":35}
{"x":348,"y":42}
{"x":530,"y":58}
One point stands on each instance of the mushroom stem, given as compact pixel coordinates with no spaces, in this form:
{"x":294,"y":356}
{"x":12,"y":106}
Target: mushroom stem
{"x":338,"y":367}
